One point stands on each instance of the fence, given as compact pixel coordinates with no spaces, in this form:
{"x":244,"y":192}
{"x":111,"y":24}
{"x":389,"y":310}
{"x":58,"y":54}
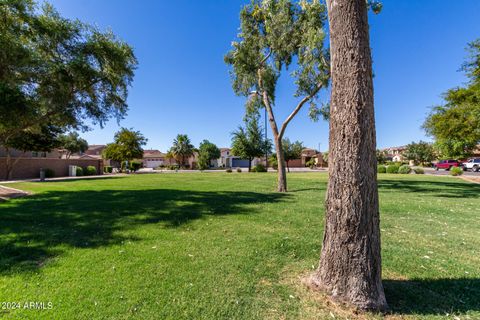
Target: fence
{"x":29,"y":168}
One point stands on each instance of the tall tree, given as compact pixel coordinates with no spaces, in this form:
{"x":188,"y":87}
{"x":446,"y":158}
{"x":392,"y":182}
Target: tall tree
{"x":350,"y":263}
{"x":182,"y":148}
{"x":292,"y":150}
{"x":72,"y":143}
{"x":455,"y":125}
{"x":128,"y":145}
{"x":249,"y":142}
{"x":207,"y":152}
{"x":273,"y":33}
{"x":56,"y":72}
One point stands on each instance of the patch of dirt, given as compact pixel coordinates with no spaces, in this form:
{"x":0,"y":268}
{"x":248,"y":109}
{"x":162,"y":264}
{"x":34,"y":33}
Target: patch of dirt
{"x":10,"y":193}
{"x":471,"y":179}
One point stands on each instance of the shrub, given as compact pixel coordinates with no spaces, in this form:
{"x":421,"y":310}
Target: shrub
{"x":135,"y":165}
{"x":49,"y":173}
{"x":259,"y":168}
{"x":456,"y":171}
{"x":404,"y":169}
{"x":90,"y":171}
{"x":230,"y":170}
{"x":107,"y":169}
{"x":392,"y":169}
{"x":310,"y":163}
{"x":239,"y":170}
{"x":381,"y":169}
{"x":419,"y":171}
{"x":79,"y":172}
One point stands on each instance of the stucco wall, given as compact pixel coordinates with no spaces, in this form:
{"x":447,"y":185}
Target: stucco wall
{"x":29,"y":168}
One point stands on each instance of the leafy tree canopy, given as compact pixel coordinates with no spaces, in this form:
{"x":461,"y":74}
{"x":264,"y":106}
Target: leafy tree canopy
{"x":274,"y":34}
{"x":207,"y":152}
{"x":72,"y":143}
{"x":56,"y":72}
{"x":292,"y":150}
{"x":420,"y":152}
{"x":128,"y":145}
{"x":456,"y":124}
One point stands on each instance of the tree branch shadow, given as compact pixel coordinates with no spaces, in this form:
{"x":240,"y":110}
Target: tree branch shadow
{"x":433,"y":296}
{"x":43,"y":226}
{"x":441,"y":189}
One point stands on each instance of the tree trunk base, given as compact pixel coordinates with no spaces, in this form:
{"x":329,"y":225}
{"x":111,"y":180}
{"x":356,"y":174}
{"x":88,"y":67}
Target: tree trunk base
{"x":349,"y":299}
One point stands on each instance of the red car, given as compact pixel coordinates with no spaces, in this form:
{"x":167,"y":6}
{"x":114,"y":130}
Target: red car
{"x":447,"y":164}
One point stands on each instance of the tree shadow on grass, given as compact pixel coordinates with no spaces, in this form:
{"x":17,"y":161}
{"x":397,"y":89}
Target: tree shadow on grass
{"x":433,"y":296}
{"x":432,"y":188}
{"x":37,"y":228}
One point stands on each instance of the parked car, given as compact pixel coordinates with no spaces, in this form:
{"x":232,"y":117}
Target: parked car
{"x":447,"y":164}
{"x":472,"y":164}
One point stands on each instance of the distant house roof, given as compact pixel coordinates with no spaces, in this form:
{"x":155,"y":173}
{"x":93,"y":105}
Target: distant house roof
{"x":153,"y":154}
{"x":224,"y":149}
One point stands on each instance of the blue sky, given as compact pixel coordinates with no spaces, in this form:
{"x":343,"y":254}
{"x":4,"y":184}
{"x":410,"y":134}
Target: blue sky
{"x":182,"y":84}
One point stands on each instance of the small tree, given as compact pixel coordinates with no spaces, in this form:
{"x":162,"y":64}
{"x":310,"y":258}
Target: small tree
{"x":381,"y":156}
{"x":182,"y":148}
{"x":272,"y":35}
{"x":248,"y":142}
{"x":206,"y":153}
{"x":72,"y":143}
{"x":127,"y":146}
{"x":421,"y":152}
{"x":291,"y":150}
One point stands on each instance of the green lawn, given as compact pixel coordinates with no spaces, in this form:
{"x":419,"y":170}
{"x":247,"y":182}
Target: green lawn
{"x":225,"y":246}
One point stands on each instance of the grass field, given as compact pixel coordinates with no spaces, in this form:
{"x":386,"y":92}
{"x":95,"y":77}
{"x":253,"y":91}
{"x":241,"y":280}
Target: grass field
{"x":225,"y":246}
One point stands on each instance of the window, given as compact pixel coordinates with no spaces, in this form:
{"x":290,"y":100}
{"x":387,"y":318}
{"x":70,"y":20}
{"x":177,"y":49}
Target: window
{"x":477,"y":161}
{"x":34,"y":154}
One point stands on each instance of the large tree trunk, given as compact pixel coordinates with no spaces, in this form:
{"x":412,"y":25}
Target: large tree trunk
{"x":350,"y":262}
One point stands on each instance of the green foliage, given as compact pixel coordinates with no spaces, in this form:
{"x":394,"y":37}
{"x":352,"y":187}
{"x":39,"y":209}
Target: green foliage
{"x":72,"y":143}
{"x":381,"y":156}
{"x":79,"y":171}
{"x":456,"y":124}
{"x":229,"y":170}
{"x":381,"y":169}
{"x":392,"y":169}
{"x":135,"y":165}
{"x":456,"y":171}
{"x":90,"y":171}
{"x":311,"y":163}
{"x":49,"y":173}
{"x":292,"y":150}
{"x":239,"y":170}
{"x":249,"y":142}
{"x":57,"y":73}
{"x":182,"y":149}
{"x":207,"y":152}
{"x":419,"y":171}
{"x":272,"y":35}
{"x":421,"y":152}
{"x":107,"y":169}
{"x":127,"y":146}
{"x":259,"y":168}
{"x":404,"y":169}
{"x":272,"y":161}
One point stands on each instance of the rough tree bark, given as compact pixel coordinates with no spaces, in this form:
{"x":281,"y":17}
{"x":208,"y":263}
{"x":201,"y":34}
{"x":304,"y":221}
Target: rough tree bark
{"x":350,"y":261}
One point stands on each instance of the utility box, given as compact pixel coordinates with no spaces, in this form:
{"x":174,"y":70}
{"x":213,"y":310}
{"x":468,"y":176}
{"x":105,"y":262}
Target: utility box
{"x":72,"y":171}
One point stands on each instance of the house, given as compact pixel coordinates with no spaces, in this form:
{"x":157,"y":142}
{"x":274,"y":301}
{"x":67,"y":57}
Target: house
{"x":27,"y":165}
{"x":395,"y":153}
{"x":153,"y":158}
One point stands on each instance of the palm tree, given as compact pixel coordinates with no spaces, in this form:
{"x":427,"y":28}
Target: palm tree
{"x":182,"y":148}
